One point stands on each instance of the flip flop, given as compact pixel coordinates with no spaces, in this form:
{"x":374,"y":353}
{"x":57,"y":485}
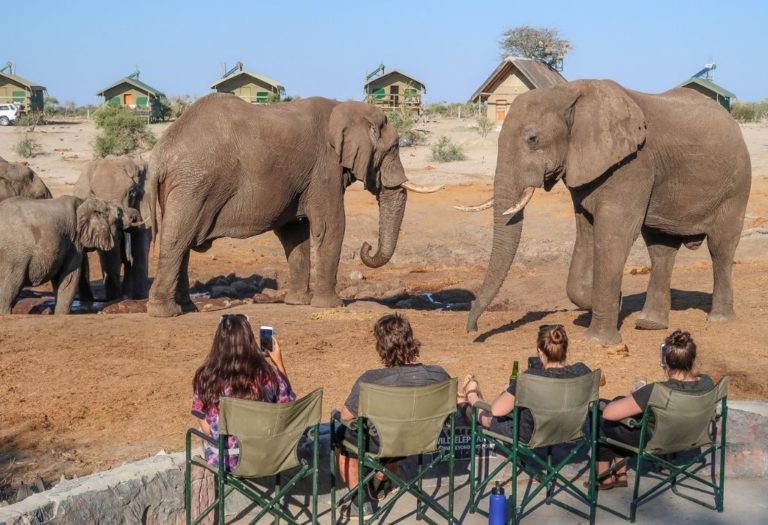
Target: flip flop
{"x":462,"y":393}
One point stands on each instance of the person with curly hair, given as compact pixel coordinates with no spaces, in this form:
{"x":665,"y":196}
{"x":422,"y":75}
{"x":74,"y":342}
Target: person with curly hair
{"x":398,"y":351}
{"x":678,"y":356}
{"x":236,"y":367}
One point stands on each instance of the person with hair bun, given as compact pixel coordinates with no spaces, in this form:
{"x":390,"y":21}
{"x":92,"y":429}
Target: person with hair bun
{"x":678,"y":357}
{"x":552,"y":349}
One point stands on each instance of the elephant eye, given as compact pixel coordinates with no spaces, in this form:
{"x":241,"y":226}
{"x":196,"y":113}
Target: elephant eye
{"x":532,"y":140}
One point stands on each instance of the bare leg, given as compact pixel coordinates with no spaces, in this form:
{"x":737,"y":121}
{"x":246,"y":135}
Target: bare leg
{"x":662,"y":249}
{"x":295,"y":240}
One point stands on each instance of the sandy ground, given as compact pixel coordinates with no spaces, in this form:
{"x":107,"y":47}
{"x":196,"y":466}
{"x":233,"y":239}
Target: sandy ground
{"x":83,"y":393}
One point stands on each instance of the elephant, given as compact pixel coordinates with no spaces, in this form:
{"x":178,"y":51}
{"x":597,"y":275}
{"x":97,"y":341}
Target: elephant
{"x":18,"y":180}
{"x":119,"y":180}
{"x":227,"y":168}
{"x":672,"y":167}
{"x":44,"y":240}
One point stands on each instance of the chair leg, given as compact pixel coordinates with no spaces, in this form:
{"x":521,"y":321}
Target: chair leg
{"x":419,"y":511}
{"x":332,"y":470}
{"x":315,"y":472}
{"x":633,"y":504}
{"x":551,"y":484}
{"x":451,"y":461}
{"x":188,"y":488}
{"x":472,"y":459}
{"x":512,"y":501}
{"x":222,"y":500}
{"x":279,"y":503}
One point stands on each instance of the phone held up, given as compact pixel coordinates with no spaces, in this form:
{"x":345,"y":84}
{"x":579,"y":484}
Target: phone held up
{"x":535,"y":362}
{"x":265,"y":338}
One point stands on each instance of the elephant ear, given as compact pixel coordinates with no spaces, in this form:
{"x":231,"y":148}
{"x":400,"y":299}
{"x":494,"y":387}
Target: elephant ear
{"x":83,"y":185}
{"x":355,"y":130}
{"x":97,"y":223}
{"x":606,"y":126}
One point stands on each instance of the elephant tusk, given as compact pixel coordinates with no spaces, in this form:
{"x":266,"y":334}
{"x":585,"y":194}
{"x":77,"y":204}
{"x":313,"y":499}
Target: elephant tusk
{"x":519,"y":205}
{"x":479,"y":207}
{"x":410,"y":186}
{"x":142,"y":223}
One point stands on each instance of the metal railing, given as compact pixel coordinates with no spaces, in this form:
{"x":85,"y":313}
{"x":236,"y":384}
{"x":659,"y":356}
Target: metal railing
{"x":394,"y":101}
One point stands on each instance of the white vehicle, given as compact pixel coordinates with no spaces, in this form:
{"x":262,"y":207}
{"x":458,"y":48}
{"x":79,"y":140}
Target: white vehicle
{"x":8,"y":113}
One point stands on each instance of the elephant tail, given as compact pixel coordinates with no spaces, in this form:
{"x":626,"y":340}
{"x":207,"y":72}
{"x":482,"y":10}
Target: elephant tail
{"x":157,"y":172}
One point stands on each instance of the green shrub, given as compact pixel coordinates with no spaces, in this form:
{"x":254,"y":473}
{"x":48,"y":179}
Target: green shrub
{"x":403,"y":123}
{"x":446,"y":151}
{"x":485,"y":126}
{"x":27,"y":147}
{"x":122,"y":131}
{"x":31,"y":119}
{"x":750,"y":111}
{"x":439,"y":109}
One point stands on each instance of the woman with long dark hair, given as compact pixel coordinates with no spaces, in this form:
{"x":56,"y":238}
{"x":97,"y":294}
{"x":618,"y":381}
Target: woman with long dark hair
{"x":236,"y":367}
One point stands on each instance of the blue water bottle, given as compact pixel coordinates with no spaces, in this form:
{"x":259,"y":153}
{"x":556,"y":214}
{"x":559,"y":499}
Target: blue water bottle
{"x":497,"y":510}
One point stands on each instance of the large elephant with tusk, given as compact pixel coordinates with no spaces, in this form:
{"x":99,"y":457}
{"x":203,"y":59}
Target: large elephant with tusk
{"x":228,"y":168}
{"x":672,"y":167}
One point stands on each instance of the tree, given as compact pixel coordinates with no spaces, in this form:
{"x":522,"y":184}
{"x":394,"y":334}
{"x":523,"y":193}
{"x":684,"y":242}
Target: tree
{"x":542,"y":43}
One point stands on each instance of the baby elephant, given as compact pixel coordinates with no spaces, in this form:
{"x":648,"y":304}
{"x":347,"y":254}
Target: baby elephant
{"x":45,"y":240}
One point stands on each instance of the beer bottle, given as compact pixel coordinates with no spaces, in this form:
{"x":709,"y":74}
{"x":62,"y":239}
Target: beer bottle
{"x":515,"y":369}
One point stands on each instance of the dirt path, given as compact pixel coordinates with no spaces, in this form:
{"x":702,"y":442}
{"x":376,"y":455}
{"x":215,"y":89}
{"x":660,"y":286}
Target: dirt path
{"x":87,"y":392}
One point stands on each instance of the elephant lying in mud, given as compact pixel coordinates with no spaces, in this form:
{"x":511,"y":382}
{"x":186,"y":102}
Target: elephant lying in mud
{"x":227,"y":168}
{"x":119,"y":180}
{"x":44,"y":240}
{"x":673,"y":167}
{"x":18,"y":180}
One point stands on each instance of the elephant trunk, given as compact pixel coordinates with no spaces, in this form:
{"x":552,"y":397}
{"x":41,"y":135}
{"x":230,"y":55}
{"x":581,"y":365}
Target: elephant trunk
{"x":506,"y":238}
{"x":391,"y":211}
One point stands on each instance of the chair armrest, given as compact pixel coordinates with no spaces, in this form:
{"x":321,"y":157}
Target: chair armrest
{"x":630,"y":422}
{"x":482,"y":405}
{"x":336,"y":418}
{"x":202,"y":435}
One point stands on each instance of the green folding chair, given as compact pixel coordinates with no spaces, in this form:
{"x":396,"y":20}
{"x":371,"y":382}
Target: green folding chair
{"x":676,"y":422}
{"x":559,"y":408}
{"x":268,"y":436}
{"x":409,"y":421}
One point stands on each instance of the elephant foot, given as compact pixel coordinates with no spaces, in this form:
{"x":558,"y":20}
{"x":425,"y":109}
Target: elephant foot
{"x":163,"y":309}
{"x":298,"y":297}
{"x":326,"y":300}
{"x":718,"y":316}
{"x":646,"y":322}
{"x":603,"y":336}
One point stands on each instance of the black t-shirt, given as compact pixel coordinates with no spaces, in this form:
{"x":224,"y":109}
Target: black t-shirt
{"x":406,"y":375}
{"x":700,"y":386}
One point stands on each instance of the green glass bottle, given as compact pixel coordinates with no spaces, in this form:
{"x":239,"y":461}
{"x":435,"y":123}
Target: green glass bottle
{"x":515,"y":371}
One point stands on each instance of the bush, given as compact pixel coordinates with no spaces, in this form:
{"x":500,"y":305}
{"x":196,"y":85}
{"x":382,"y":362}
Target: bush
{"x":446,"y":151}
{"x":27,"y":147}
{"x":31,"y":119}
{"x":485,"y":126}
{"x":180,"y":104}
{"x":122,"y":131}
{"x":403,"y":123}
{"x":750,"y":111}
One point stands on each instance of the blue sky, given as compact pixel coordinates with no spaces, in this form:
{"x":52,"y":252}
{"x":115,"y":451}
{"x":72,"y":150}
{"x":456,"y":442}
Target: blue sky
{"x":325,"y":47}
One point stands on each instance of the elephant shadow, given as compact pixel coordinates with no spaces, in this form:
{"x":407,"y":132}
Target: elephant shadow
{"x":681,"y":300}
{"x":529,"y":317}
{"x":452,"y":300}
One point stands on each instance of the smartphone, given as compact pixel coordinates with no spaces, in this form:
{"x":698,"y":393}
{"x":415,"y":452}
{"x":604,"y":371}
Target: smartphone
{"x":535,"y":362}
{"x":265,"y":338}
{"x":662,"y":355}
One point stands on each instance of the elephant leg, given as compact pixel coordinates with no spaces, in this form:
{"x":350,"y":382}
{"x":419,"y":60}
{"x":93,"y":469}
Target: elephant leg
{"x":614,"y":237}
{"x":65,"y":288}
{"x":327,"y":225}
{"x":84,"y":286}
{"x":579,"y":286}
{"x":182,"y":289}
{"x":722,"y":243}
{"x":662,"y":250}
{"x":295,"y":240}
{"x":10,"y":288}
{"x":139,"y":271}
{"x":111,"y":263}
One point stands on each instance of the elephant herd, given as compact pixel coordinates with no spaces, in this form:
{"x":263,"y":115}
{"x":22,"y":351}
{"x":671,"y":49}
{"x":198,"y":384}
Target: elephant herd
{"x":672,"y":167}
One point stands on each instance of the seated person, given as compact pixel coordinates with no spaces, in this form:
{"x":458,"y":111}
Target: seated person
{"x":552,"y":349}
{"x":236,"y":367}
{"x":399,"y":353}
{"x":678,"y":355}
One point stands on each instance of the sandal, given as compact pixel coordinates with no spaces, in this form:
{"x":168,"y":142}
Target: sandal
{"x":621,"y":481}
{"x":461,"y":395}
{"x":605,"y":484}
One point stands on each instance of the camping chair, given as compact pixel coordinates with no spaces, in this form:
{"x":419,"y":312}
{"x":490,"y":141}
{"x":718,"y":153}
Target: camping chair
{"x":675,"y":422}
{"x":559,"y":408}
{"x":409,"y":421}
{"x":268,"y":436}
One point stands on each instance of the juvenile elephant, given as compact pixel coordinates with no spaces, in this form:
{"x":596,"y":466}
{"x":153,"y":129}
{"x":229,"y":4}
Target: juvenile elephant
{"x":119,"y":180}
{"x":227,"y":168}
{"x":673,"y":167}
{"x":18,"y":180}
{"x":44,"y":240}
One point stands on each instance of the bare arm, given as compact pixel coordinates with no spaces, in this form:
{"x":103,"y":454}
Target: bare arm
{"x":204,"y":426}
{"x":621,"y":408}
{"x":276,"y":355}
{"x":346,"y":415}
{"x":503,"y":404}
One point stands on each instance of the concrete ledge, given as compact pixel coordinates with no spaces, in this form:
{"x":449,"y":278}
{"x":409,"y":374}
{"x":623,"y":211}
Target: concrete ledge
{"x":151,"y":491}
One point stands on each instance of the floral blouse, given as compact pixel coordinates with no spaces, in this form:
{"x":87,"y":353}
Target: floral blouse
{"x":280,"y":393}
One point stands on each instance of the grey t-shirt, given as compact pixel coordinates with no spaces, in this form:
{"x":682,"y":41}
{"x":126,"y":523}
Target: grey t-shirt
{"x":406,"y":375}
